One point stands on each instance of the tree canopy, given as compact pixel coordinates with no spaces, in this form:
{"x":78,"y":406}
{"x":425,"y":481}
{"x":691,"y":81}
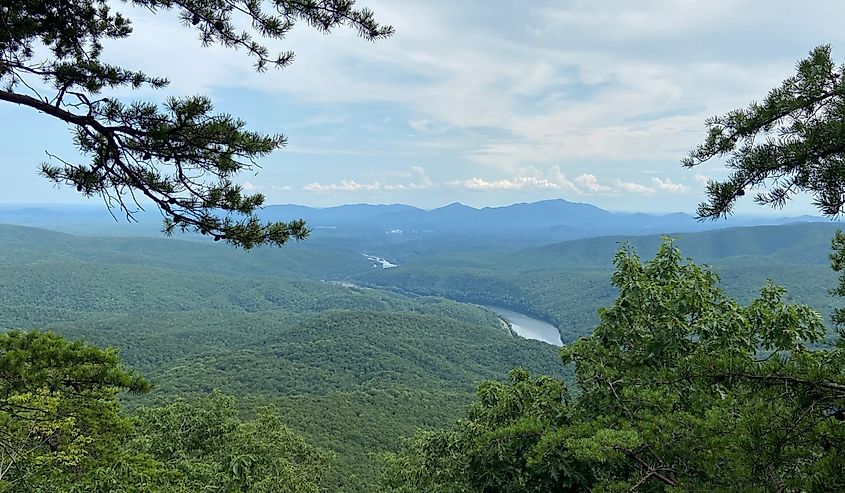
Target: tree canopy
{"x":680,"y":388}
{"x":206,"y":446}
{"x":59,"y":417}
{"x":62,"y":429}
{"x":791,"y":142}
{"x":180,"y":156}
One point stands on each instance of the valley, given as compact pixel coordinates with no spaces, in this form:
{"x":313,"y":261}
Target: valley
{"x":352,"y":246}
{"x":358,"y":349}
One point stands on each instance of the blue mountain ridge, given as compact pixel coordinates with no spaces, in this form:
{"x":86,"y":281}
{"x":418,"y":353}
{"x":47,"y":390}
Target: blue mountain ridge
{"x":555,"y":219}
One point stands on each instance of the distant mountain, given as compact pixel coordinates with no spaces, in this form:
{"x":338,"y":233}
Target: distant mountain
{"x":92,"y":218}
{"x":550,"y":219}
{"x":454,"y":226}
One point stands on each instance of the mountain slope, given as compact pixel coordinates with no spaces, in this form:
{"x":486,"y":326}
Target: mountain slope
{"x":354,"y":369}
{"x":565,"y":283}
{"x":20,"y":244}
{"x":792,"y":243}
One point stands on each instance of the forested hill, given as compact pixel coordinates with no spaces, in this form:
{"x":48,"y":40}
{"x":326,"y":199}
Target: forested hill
{"x":789,"y":243}
{"x":274,"y":324}
{"x":353,"y":369}
{"x":565,"y":283}
{"x":28,"y":244}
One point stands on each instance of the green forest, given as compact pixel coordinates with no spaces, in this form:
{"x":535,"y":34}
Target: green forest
{"x":566,"y":283}
{"x":210,"y":340}
{"x":346,"y":375}
{"x":353,"y":370}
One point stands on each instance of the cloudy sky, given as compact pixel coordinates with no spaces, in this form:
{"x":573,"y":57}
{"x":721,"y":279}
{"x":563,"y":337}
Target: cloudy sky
{"x":482,"y":102}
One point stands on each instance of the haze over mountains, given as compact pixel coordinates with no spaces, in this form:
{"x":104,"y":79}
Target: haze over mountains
{"x":544,"y":221}
{"x":554,"y":218}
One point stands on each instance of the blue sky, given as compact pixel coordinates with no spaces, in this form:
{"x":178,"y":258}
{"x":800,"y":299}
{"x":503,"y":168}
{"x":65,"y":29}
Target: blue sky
{"x":482,"y":102}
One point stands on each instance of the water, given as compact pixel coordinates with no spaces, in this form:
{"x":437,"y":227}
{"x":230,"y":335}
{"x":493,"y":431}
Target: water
{"x":385,"y":264}
{"x":528,"y":327}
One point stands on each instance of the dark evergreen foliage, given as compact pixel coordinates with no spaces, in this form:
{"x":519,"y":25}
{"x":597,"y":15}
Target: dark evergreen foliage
{"x":791,"y":142}
{"x":180,"y":156}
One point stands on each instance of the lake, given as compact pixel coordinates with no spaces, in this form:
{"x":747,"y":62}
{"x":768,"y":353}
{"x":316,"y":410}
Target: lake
{"x":529,"y":327}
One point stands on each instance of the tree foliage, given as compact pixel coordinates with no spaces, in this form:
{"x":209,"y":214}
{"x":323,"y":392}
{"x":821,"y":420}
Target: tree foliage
{"x":62,"y":429}
{"x":499,"y":446}
{"x":180,"y":156}
{"x":60,"y":422}
{"x":206,"y":446}
{"x":837,"y":262}
{"x":680,"y":388}
{"x":793,"y":141}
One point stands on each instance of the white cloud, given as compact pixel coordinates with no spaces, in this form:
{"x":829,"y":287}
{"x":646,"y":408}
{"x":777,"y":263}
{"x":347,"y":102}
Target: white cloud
{"x":591,"y":183}
{"x":417,"y":175}
{"x":417,"y":179}
{"x":251,"y":187}
{"x":530,"y":179}
{"x":516,"y":183}
{"x":584,"y":184}
{"x":343,"y":186}
{"x":420,"y":125}
{"x":404,"y":186}
{"x":422,"y":178}
{"x":631,"y":187}
{"x":556,"y":176}
{"x":701,"y":179}
{"x":666,"y":185}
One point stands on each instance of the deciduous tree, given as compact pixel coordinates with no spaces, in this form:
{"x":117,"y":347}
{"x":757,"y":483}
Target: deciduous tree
{"x":60,"y":421}
{"x":680,"y":388}
{"x":206,"y":446}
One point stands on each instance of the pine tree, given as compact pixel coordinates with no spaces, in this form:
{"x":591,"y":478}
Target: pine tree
{"x":180,"y":156}
{"x":792,"y":142}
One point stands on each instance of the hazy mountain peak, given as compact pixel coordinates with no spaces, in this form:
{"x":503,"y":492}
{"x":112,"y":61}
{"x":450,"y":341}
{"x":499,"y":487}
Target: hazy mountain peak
{"x":455,"y":206}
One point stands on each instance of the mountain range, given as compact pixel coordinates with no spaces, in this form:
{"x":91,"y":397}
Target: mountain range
{"x":525,"y":224}
{"x":566,"y":219}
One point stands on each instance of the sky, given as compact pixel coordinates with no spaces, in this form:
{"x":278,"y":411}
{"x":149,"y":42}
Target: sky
{"x":481,"y":102}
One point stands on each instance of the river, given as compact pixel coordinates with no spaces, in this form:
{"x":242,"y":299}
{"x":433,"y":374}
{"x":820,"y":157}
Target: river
{"x":527,"y":327}
{"x":522,"y":324}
